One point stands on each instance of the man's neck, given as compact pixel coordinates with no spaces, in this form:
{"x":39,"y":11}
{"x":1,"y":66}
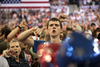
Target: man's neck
{"x":55,"y":40}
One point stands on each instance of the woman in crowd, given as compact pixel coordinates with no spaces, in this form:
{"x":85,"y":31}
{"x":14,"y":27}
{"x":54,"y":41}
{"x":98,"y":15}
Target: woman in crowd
{"x":33,"y":62}
{"x":13,"y":55}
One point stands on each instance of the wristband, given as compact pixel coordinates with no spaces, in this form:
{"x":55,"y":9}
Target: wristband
{"x":19,"y":27}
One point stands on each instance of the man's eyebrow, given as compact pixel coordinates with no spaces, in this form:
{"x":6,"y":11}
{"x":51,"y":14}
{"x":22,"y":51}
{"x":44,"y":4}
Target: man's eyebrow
{"x":56,"y":24}
{"x":49,"y":24}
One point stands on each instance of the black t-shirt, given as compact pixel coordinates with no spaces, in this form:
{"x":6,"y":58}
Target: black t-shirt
{"x":22,"y":62}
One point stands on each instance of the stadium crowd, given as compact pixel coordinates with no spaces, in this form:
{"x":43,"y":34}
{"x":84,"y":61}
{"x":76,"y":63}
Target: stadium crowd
{"x":22,"y":29}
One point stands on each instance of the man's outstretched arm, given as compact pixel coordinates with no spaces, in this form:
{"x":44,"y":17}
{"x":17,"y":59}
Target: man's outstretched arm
{"x":24,"y":36}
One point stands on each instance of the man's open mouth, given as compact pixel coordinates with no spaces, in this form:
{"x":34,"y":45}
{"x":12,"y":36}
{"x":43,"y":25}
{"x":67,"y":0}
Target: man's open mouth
{"x":53,"y":31}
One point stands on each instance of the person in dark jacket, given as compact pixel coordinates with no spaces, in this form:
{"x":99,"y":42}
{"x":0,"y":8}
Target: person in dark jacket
{"x":22,"y":17}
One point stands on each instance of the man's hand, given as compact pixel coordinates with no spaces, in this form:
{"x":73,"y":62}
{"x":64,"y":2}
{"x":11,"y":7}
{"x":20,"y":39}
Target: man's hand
{"x":62,"y":17}
{"x":23,"y":25}
{"x":37,"y":30}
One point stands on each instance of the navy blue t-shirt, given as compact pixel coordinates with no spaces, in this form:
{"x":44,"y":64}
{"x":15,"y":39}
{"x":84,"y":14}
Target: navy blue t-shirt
{"x":36,"y":43}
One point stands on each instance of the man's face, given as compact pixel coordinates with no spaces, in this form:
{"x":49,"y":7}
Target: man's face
{"x":54,"y":28}
{"x":93,"y":27}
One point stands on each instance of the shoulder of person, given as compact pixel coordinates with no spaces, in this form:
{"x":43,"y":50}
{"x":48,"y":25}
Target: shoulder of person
{"x":3,"y":42}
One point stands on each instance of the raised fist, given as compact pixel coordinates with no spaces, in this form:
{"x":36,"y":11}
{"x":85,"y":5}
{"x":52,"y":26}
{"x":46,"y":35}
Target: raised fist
{"x":23,"y":25}
{"x":62,"y":17}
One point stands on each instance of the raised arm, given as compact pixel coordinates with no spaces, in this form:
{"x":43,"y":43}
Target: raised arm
{"x":16,"y":30}
{"x":24,"y":36}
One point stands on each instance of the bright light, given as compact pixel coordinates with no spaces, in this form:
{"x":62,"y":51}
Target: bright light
{"x":47,"y":58}
{"x":69,"y":54}
{"x":95,"y":40}
{"x":46,"y":43}
{"x":70,"y":49}
{"x":96,"y":49}
{"x":95,"y":44}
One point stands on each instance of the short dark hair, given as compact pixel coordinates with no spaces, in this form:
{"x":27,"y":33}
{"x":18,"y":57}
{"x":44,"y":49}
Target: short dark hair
{"x":94,"y":33}
{"x":69,"y":29}
{"x":92,"y":24}
{"x":54,"y":19}
{"x":5,"y":31}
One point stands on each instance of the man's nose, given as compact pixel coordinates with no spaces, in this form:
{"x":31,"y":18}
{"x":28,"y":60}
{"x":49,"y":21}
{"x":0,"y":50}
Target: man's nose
{"x":54,"y":27}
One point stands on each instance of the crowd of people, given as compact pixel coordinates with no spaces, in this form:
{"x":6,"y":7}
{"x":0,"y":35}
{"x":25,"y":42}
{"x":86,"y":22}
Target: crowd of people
{"x":22,"y":30}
